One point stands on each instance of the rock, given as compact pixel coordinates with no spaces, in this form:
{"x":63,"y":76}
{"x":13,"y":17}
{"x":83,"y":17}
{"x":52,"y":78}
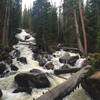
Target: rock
{"x":29,"y":80}
{"x":92,"y":87}
{"x":64,"y":58}
{"x":2,"y":68}
{"x":27,"y":90}
{"x":1,"y":93}
{"x":8,"y":60}
{"x":42,"y":61}
{"x":35,"y":56}
{"x":27,"y":37}
{"x":14,"y":53}
{"x":22,"y":60}
{"x":48,"y":57}
{"x":35,"y":71}
{"x":3,"y":55}
{"x":49,"y":65}
{"x":13,"y":67}
{"x":73,"y":60}
{"x":64,"y":67}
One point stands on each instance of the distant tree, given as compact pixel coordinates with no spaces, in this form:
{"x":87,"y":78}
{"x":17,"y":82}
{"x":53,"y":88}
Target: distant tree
{"x":44,"y":24}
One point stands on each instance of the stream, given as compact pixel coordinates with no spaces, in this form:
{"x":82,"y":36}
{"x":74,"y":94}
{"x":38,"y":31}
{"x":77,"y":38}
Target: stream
{"x":7,"y":84}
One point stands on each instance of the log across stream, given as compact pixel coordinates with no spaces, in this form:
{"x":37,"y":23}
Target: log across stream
{"x":65,"y":88}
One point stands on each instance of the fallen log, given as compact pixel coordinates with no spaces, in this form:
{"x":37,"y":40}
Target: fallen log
{"x":64,"y":71}
{"x":65,"y":88}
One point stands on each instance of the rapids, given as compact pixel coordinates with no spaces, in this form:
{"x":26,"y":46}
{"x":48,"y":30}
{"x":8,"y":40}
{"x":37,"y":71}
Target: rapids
{"x":7,"y":83}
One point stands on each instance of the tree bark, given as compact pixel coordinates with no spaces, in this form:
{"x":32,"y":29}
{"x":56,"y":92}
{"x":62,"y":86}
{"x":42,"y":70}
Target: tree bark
{"x":65,"y":88}
{"x":83,"y":29}
{"x":77,"y":30}
{"x":4,"y":28}
{"x":64,"y":71}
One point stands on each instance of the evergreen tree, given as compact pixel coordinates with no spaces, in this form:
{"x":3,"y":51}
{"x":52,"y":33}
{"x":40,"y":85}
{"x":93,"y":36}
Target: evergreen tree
{"x":44,"y":19}
{"x":10,"y":18}
{"x":91,"y":24}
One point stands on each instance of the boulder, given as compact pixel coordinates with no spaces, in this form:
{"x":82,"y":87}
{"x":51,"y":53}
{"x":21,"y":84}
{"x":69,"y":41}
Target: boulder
{"x":29,"y":80}
{"x":27,"y":37}
{"x":42,"y":61}
{"x":64,"y":58}
{"x":0,"y":93}
{"x":22,"y":60}
{"x":64,"y":67}
{"x":14,"y":53}
{"x":8,"y":60}
{"x":3,"y":55}
{"x":73,"y":60}
{"x":2,"y":68}
{"x":35,"y":71}
{"x":49,"y":65}
{"x":27,"y":90}
{"x":13,"y":67}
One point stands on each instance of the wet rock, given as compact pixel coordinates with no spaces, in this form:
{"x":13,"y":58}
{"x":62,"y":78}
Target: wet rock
{"x":64,"y":67}
{"x":49,"y":65}
{"x":28,"y":80}
{"x":33,"y":48}
{"x":35,"y":56}
{"x":2,"y":68}
{"x":27,"y":37}
{"x":35,"y":71}
{"x":14,"y":53}
{"x":42,"y":61}
{"x":64,"y":58}
{"x":22,"y":60}
{"x":8,"y":60}
{"x":73,"y":60}
{"x":1,"y":93}
{"x":13,"y":67}
{"x":3,"y":55}
{"x":27,"y":90}
{"x":48,"y":57}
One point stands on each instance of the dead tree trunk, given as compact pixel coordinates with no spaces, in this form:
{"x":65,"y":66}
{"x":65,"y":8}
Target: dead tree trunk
{"x":83,"y":29}
{"x":65,"y":88}
{"x":64,"y":71}
{"x":77,"y":30}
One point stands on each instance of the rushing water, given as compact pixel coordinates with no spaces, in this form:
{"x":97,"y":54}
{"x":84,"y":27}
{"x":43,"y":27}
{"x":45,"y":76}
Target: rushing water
{"x":7,"y":83}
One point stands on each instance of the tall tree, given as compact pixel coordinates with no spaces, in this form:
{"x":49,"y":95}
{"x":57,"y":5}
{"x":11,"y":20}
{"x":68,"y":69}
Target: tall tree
{"x":77,"y":30}
{"x":83,"y":28}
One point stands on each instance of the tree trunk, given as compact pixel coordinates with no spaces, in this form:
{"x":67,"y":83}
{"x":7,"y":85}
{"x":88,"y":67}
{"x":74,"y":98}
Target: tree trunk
{"x":77,"y":31}
{"x":5,"y":27}
{"x":65,"y":88}
{"x":83,"y":29}
{"x":64,"y":71}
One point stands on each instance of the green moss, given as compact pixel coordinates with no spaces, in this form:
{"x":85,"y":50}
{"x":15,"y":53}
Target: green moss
{"x":94,"y":60}
{"x":5,"y":47}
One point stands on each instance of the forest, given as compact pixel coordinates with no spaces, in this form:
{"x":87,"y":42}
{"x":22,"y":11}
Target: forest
{"x":47,"y":21}
{"x":43,"y":33}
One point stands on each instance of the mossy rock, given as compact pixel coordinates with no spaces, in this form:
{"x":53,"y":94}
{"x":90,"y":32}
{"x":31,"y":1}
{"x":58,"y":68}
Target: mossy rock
{"x":94,"y":59}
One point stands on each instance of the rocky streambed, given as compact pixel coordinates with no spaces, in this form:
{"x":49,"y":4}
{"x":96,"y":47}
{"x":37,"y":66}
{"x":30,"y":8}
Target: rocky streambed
{"x":26,"y":75}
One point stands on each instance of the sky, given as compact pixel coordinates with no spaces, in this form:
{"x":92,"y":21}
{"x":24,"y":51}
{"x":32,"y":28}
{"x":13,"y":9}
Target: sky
{"x":29,"y":3}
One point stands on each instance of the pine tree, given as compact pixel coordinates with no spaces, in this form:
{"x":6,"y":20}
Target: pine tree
{"x":44,"y":19}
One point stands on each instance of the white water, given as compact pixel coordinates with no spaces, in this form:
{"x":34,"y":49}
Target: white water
{"x":7,"y":83}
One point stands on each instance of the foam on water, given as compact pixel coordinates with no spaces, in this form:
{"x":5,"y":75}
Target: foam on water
{"x":7,"y":83}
